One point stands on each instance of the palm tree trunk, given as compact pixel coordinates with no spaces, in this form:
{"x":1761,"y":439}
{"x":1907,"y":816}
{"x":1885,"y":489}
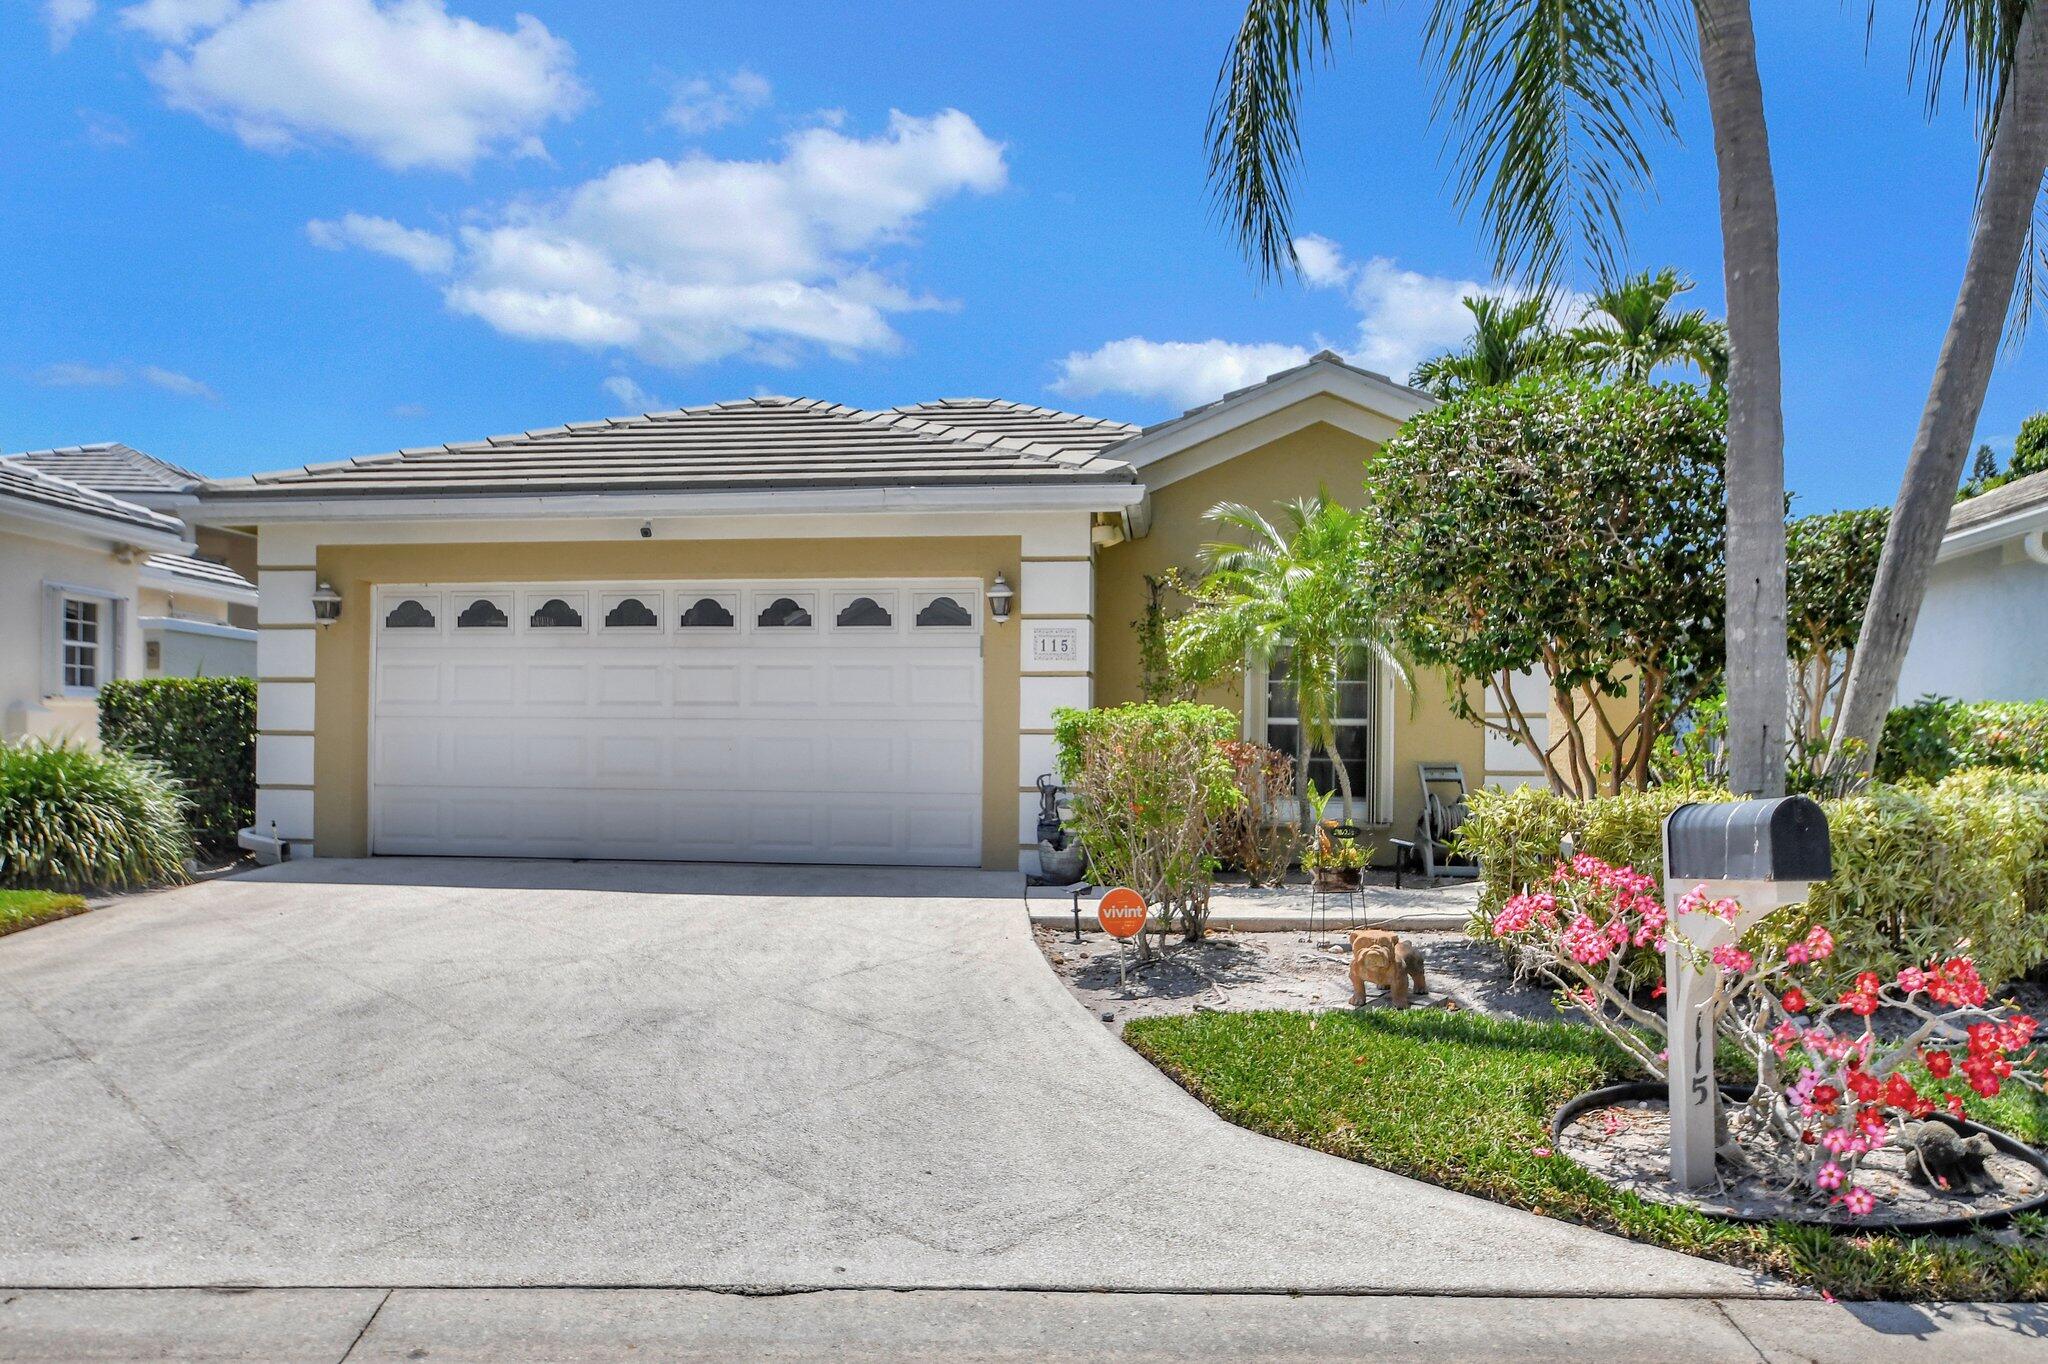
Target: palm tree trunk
{"x":1758,"y":679}
{"x":2005,"y":206}
{"x":1343,"y":777}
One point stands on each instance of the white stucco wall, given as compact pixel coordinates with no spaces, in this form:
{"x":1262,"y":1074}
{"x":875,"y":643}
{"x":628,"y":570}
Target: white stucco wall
{"x":1983,"y":632}
{"x":28,"y":565}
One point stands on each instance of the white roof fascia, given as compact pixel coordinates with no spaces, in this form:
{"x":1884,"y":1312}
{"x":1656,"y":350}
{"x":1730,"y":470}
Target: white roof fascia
{"x":1388,"y":399}
{"x":181,"y":625}
{"x":640,"y":505}
{"x":84,"y":527}
{"x":185,"y":585}
{"x":1990,"y":534}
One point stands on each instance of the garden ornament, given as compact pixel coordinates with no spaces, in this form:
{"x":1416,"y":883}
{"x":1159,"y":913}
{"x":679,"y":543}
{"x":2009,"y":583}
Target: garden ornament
{"x":1943,"y":1158}
{"x":1388,"y":961}
{"x":1726,"y":867}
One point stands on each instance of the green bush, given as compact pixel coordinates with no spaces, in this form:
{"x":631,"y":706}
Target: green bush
{"x":1936,"y":736}
{"x":1149,"y":782}
{"x":1920,"y":871}
{"x":74,"y":818}
{"x":203,"y":731}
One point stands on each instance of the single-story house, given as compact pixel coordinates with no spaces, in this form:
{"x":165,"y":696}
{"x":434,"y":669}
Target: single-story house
{"x":777,"y":629}
{"x":72,"y":596}
{"x":196,"y":611}
{"x":1981,"y":634}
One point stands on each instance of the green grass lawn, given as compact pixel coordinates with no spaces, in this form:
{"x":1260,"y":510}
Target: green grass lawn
{"x":21,"y":909}
{"x":1465,"y":1102}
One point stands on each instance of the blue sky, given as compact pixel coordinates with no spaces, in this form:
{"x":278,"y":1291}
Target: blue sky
{"x":249,"y":235}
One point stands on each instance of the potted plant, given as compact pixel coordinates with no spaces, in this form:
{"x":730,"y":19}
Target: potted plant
{"x":1335,"y":866}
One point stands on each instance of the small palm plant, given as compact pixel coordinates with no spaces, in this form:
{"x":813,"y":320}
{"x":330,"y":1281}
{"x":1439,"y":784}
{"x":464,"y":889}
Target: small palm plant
{"x":1301,"y":592}
{"x":1511,"y":339}
{"x":1630,"y":330}
{"x":75,"y":818}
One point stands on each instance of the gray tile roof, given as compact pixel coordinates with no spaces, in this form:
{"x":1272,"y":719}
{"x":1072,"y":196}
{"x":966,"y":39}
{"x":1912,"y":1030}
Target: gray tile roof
{"x":2022,"y":494}
{"x":24,"y":483}
{"x":999,"y":417}
{"x":203,"y":573}
{"x":113,"y":468}
{"x":755,"y":444}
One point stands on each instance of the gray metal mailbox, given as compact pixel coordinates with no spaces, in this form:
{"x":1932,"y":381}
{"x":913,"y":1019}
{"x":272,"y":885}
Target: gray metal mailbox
{"x":1750,"y":840}
{"x":1764,"y":855}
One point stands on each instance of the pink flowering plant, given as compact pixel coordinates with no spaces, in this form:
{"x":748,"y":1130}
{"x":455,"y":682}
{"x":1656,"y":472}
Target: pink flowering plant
{"x":1830,"y":1090}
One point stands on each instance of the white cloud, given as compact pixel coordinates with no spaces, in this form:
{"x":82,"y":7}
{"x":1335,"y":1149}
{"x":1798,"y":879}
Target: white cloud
{"x":64,"y":18}
{"x":1321,"y":262}
{"x":427,"y":252}
{"x":688,"y":261}
{"x":104,"y":130}
{"x":631,"y":395}
{"x":184,"y":385}
{"x":1403,"y":318}
{"x":175,"y":21}
{"x":703,"y":105}
{"x":1185,"y":373}
{"x":405,"y":81}
{"x":79,"y":374}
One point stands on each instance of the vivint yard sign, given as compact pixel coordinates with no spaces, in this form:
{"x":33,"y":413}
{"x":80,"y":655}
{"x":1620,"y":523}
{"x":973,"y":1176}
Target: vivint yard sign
{"x":1055,"y":644}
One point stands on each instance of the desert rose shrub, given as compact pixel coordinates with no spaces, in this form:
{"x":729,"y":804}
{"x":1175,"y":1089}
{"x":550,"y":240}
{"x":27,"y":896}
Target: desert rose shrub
{"x":203,"y":731}
{"x":1936,"y":736}
{"x":1829,"y":1090}
{"x":1920,"y":872}
{"x":1149,"y":783}
{"x":78,"y":818}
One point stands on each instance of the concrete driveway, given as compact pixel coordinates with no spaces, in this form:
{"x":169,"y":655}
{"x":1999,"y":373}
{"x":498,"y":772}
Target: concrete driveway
{"x":461,"y":1073}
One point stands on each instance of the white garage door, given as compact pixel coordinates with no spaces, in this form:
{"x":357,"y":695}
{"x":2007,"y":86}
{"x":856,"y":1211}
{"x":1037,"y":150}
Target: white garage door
{"x":763,"y":722}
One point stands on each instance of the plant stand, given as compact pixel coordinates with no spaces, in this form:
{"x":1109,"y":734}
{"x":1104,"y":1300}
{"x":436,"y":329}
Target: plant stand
{"x":1322,"y":891}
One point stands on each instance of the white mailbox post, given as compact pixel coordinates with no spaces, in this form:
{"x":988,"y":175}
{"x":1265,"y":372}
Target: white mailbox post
{"x":1765,"y":855}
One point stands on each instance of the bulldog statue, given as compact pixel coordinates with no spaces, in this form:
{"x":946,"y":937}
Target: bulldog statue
{"x":1386,"y":960}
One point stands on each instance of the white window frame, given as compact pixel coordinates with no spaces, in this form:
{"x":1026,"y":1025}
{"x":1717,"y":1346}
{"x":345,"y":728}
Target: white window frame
{"x":1376,"y":810}
{"x":109,"y":655}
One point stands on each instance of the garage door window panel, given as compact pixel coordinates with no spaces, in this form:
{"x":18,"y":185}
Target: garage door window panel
{"x":633,"y":611}
{"x":944,"y":611}
{"x":555,"y":612}
{"x":485,"y":613}
{"x":420,"y":612}
{"x":864,"y":611}
{"x":783,"y":611}
{"x":714,"y":611}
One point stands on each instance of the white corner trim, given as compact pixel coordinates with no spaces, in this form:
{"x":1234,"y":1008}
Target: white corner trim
{"x":1380,"y":396}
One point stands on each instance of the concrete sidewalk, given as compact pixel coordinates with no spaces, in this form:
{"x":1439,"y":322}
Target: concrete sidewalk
{"x":508,"y":1326}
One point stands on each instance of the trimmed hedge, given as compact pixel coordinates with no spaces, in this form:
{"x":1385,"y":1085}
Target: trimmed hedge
{"x":1920,"y":870}
{"x":202,"y":730}
{"x":1936,"y":736}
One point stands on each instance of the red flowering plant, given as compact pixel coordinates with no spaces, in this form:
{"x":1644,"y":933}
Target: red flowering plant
{"x":1831,"y":1089}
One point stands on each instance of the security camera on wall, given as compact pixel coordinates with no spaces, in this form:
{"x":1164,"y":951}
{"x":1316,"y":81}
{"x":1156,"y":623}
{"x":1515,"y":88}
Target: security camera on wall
{"x":646,"y":530}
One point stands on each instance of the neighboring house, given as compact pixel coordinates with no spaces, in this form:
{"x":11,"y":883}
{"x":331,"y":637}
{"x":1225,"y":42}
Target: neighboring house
{"x":1983,"y":630}
{"x":197,"y":612}
{"x":769,"y":630}
{"x":72,"y":560}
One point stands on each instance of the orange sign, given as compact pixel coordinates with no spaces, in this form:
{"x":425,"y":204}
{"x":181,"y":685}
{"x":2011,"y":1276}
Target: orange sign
{"x":1122,"y":913}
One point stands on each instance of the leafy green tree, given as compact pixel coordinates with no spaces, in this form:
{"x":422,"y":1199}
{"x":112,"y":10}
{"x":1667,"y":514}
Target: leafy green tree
{"x":1304,"y":591}
{"x":1630,"y":331}
{"x":1568,"y":528}
{"x":1551,"y":98}
{"x":2030,"y":448}
{"x":1830,"y":562}
{"x":1511,"y":338}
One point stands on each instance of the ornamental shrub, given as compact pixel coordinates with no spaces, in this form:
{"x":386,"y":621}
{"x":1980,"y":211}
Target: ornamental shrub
{"x":79,"y":818}
{"x":203,"y":731}
{"x":1149,"y":784}
{"x":1936,"y":736}
{"x":1921,"y":872}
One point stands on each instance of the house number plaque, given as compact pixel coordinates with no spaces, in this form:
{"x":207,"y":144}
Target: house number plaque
{"x":1055,"y":644}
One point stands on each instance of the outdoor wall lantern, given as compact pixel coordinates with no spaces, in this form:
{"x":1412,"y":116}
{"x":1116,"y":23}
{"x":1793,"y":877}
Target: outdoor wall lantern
{"x":326,"y":603}
{"x":1000,"y":595}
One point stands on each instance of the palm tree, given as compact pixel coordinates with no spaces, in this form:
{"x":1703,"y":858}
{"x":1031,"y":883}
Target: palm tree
{"x":2005,"y":63}
{"x":1511,"y":337}
{"x":1550,"y":96}
{"x":1629,"y":331}
{"x":1301,"y":592}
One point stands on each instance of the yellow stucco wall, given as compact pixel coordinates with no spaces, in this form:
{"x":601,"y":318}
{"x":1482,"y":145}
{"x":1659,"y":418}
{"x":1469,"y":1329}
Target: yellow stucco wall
{"x":1289,"y":464}
{"x":342,"y":652}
